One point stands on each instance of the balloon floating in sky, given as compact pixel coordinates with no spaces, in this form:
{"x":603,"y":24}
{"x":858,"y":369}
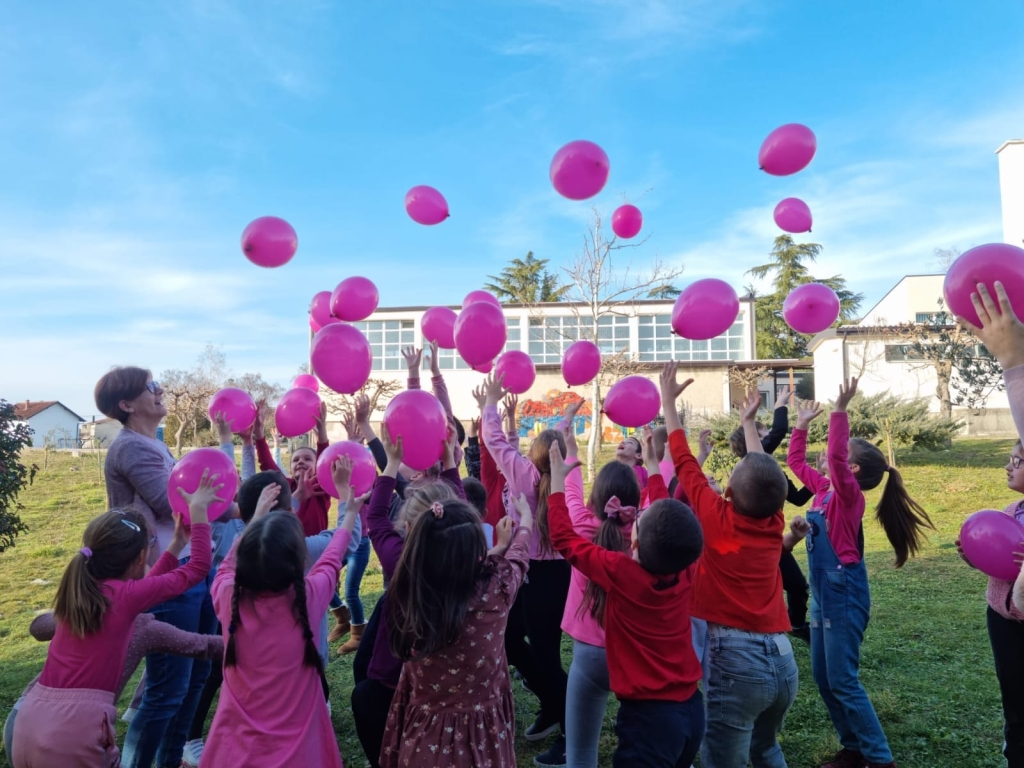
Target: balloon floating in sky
{"x":811,"y":308}
{"x":425,"y":205}
{"x":793,"y":215}
{"x":518,"y":370}
{"x":989,"y":538}
{"x":419,"y":419}
{"x":320,"y":310}
{"x":269,"y":242}
{"x":633,"y":401}
{"x":579,"y":170}
{"x":627,"y":221}
{"x":354,"y":299}
{"x":985,"y":264}
{"x":306,"y":381}
{"x":438,"y":324}
{"x":474,"y":296}
{"x":787,"y":150}
{"x":581,"y":363}
{"x":236,"y":406}
{"x":705,"y":309}
{"x":296,"y":411}
{"x":188,"y":473}
{"x":341,"y":358}
{"x":480,"y":333}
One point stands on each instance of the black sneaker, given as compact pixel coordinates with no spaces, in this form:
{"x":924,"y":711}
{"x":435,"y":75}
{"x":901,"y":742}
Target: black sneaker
{"x":554,"y":756}
{"x":804,"y":633}
{"x":542,"y":728}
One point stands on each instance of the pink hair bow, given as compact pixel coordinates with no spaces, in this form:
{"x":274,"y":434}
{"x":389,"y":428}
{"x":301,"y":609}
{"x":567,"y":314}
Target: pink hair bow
{"x":616,"y":511}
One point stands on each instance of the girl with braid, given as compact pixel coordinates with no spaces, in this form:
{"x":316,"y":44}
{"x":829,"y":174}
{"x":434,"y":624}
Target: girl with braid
{"x":273,"y":709}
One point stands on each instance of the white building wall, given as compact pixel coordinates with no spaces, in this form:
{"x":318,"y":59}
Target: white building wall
{"x":56,"y":417}
{"x":913,"y":295}
{"x":1011,"y":190}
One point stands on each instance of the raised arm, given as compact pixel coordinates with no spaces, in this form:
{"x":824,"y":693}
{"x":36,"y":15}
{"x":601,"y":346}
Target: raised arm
{"x":780,"y":423}
{"x":796,"y":459}
{"x":520,"y":473}
{"x":843,"y":480}
{"x":748,"y":417}
{"x":413,"y":358}
{"x":263,"y":454}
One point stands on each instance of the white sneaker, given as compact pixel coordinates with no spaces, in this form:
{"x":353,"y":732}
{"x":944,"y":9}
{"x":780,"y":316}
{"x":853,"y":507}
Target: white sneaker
{"x":192,"y":754}
{"x":129,"y":715}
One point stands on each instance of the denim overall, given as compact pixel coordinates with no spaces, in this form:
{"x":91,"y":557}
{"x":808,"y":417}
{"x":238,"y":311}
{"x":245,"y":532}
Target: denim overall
{"x":840,"y":605}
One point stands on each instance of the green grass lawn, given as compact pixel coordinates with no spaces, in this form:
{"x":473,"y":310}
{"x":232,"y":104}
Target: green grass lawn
{"x":925,"y":662}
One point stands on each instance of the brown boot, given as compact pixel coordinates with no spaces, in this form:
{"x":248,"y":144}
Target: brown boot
{"x":352,"y":644}
{"x":846,"y":758}
{"x":342,"y":626}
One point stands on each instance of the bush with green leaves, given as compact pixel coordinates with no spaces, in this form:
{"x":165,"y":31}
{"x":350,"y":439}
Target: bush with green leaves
{"x":15,"y":436}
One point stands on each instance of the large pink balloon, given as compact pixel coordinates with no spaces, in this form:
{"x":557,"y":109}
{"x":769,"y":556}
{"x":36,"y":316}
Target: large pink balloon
{"x":633,"y":401}
{"x":425,"y":205}
{"x":237,"y":406}
{"x":985,"y":264}
{"x":989,"y":538}
{"x":793,"y":215}
{"x":581,"y":363}
{"x":787,"y":150}
{"x":341,"y":358}
{"x":480,"y":333}
{"x":484,"y":368}
{"x":296,"y":412}
{"x":705,"y":309}
{"x":438,"y":324}
{"x":269,"y":242}
{"x":811,"y":308}
{"x":627,"y":221}
{"x":189,"y":471}
{"x":364,"y":470}
{"x":518,"y":370}
{"x":579,"y":170}
{"x":320,"y":309}
{"x":474,"y":296}
{"x":419,"y":419}
{"x":306,"y":381}
{"x":354,"y":299}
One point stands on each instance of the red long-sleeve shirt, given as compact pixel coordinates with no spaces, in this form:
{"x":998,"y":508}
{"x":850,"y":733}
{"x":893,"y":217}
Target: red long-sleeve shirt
{"x":494,"y":483}
{"x":313,"y":512}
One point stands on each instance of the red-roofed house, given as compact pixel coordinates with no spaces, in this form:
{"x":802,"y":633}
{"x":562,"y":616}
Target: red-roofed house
{"x":51,"y":422}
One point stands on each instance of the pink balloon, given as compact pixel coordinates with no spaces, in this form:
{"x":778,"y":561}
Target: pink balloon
{"x":518,"y":370}
{"x":364,"y":470}
{"x":315,"y":325}
{"x":581,"y":363}
{"x":425,"y":205}
{"x":269,"y":242}
{"x":320,"y":309}
{"x":187,"y":474}
{"x":793,"y":215}
{"x":237,"y":406}
{"x":579,"y":170}
{"x":627,"y":221}
{"x":296,"y":412}
{"x":354,"y":299}
{"x":811,"y":308}
{"x":985,"y":264}
{"x":787,"y":150}
{"x":989,"y":538}
{"x":474,"y":296}
{"x":306,"y":381}
{"x":480,"y":333}
{"x":419,"y":419}
{"x":438,"y":324}
{"x":341,"y":358}
{"x":484,"y":367}
{"x":633,"y":401}
{"x":705,"y":309}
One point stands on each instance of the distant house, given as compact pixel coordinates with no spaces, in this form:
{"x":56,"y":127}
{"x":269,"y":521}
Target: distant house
{"x":52,"y":423}
{"x":99,"y":433}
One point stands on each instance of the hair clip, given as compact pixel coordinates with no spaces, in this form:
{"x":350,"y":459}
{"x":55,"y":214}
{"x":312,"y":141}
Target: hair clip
{"x":85,"y":552}
{"x":438,"y":509}
{"x":130,"y":524}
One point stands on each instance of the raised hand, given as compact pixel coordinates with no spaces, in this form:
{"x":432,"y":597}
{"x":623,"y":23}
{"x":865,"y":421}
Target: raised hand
{"x":304,"y":485}
{"x":560,"y":468}
{"x":783,"y":399}
{"x":713,"y":484}
{"x":262,"y":411}
{"x":480,"y":395}
{"x":435,"y":364}
{"x":474,"y":428}
{"x":341,"y":472}
{"x":451,"y":439}
{"x":523,"y":509}
{"x":267,"y":500}
{"x":671,"y":389}
{"x":494,"y":388}
{"x":751,"y":405}
{"x":846,"y":392}
{"x":413,"y":358}
{"x":706,"y":446}
{"x":799,"y":527}
{"x":361,"y":404}
{"x":647,"y":449}
{"x":181,"y":536}
{"x":204,"y":496}
{"x":223,"y":428}
{"x":503,"y":533}
{"x":393,"y":451}
{"x":1001,"y":331}
{"x":806,"y":412}
{"x":510,"y":402}
{"x":348,"y":420}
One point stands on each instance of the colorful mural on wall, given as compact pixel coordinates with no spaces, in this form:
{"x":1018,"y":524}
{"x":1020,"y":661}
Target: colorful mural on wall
{"x":534,"y":416}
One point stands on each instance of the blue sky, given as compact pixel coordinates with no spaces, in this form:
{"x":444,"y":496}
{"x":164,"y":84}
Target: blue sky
{"x":136,"y":145}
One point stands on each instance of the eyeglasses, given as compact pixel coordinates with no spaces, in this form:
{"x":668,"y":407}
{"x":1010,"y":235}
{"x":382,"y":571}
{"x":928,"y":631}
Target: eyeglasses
{"x":153,"y":386}
{"x":1015,"y":461}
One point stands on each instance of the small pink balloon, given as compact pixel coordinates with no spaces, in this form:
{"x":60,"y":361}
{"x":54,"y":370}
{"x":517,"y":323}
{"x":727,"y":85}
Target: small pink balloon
{"x":297,"y":411}
{"x":989,"y":538}
{"x":985,"y":264}
{"x":419,"y":419}
{"x":787,"y":150}
{"x":438,"y":324}
{"x":633,"y":401}
{"x":237,"y":407}
{"x":354,"y":299}
{"x":518,"y":370}
{"x":306,"y":381}
{"x":341,"y":358}
{"x":484,"y":367}
{"x":480,"y":333}
{"x":475,"y":296}
{"x":188,"y":473}
{"x":579,"y":170}
{"x":320,"y":309}
{"x":705,"y":309}
{"x":364,"y":470}
{"x":627,"y":221}
{"x":425,"y":205}
{"x":269,"y":242}
{"x":811,"y":308}
{"x":581,"y":363}
{"x":793,"y":215}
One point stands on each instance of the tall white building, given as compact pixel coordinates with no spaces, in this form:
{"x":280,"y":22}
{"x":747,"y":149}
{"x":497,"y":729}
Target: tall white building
{"x":1011,"y":190}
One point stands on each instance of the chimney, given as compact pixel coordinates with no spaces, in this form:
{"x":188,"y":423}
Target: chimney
{"x":1011,"y":190}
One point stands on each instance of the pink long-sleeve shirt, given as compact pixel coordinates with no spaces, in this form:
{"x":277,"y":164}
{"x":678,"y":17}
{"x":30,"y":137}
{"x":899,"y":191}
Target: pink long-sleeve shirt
{"x":844,"y":512}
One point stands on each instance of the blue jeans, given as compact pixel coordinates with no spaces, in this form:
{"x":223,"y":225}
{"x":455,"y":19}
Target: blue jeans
{"x":355,"y":567}
{"x":658,"y":734}
{"x":174,"y":685}
{"x":586,"y":700}
{"x":750,"y":681}
{"x":840,"y":607}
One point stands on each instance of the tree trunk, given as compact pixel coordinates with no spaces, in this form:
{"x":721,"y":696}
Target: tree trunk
{"x":178,"y":437}
{"x":943,"y":374}
{"x":595,"y":428}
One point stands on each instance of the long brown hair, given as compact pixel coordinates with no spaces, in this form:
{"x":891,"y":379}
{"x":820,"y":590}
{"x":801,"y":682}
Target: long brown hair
{"x":619,"y":480}
{"x":902,"y":518}
{"x":438,"y":575}
{"x":539,"y":455}
{"x":111,"y":543}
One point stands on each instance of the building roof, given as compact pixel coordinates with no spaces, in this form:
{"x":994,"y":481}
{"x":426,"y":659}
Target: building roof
{"x":897,"y":285}
{"x":1005,"y":144}
{"x":546,"y":305}
{"x":30,"y":408}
